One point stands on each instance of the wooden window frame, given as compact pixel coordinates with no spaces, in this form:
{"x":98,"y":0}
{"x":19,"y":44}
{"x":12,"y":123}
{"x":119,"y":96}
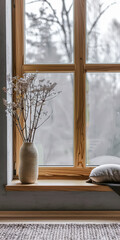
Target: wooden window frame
{"x":79,"y":68}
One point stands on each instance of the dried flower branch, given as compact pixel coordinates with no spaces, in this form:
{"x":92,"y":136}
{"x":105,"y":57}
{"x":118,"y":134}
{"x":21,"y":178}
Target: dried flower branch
{"x":31,"y":94}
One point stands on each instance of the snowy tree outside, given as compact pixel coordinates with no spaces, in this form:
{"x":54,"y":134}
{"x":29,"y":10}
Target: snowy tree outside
{"x":49,"y":30}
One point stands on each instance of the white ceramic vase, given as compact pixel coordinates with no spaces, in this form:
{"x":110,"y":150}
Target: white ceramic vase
{"x":28,"y":169}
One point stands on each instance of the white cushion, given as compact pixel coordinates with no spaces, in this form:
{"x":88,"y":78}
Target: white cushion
{"x":106,"y":173}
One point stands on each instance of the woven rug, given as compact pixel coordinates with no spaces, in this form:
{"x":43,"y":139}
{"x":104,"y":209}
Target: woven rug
{"x":60,"y":231}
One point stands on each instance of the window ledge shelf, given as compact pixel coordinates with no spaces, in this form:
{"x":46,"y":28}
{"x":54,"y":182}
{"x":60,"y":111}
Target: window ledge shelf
{"x":56,"y":185}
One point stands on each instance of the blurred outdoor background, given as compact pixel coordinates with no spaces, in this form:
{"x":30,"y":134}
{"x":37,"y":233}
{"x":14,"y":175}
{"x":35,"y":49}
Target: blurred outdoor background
{"x":49,"y":31}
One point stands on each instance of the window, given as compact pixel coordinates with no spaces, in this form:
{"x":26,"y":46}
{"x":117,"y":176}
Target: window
{"x":66,"y":42}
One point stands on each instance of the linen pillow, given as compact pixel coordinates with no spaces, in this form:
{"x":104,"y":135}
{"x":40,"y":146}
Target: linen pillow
{"x":106,"y":173}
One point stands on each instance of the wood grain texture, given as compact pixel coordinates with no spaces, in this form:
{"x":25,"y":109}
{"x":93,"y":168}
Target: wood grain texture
{"x":65,"y":172}
{"x":79,"y":117}
{"x":102,"y":67}
{"x":60,"y":215}
{"x":58,"y":185}
{"x":49,"y":68}
{"x":18,"y":58}
{"x":62,"y":173}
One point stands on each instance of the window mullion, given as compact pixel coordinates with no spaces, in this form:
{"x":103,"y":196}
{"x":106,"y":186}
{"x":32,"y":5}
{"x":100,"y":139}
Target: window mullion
{"x":79,"y":118}
{"x":102,"y":67}
{"x":48,"y":68}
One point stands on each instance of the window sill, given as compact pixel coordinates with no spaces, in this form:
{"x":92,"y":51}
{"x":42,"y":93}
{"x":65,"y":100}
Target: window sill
{"x":56,"y":185}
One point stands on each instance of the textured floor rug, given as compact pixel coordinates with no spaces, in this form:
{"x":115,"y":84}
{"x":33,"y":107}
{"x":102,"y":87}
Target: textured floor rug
{"x":60,"y":231}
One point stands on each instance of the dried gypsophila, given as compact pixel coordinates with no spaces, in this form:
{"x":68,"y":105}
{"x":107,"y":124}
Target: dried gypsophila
{"x":30,"y":95}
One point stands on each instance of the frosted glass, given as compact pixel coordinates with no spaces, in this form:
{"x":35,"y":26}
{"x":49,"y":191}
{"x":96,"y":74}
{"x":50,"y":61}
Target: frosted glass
{"x":103,"y":118}
{"x":103,"y":31}
{"x":54,"y":139}
{"x":48,"y":31}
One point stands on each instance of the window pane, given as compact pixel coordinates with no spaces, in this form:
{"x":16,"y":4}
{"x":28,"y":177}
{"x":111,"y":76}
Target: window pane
{"x":103,"y":118}
{"x":48,"y":31}
{"x":103,"y":31}
{"x":54,"y":139}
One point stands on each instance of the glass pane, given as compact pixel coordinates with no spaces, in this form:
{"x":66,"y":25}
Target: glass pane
{"x":54,"y":138}
{"x":48,"y":31}
{"x":103,"y":118}
{"x":103,"y":31}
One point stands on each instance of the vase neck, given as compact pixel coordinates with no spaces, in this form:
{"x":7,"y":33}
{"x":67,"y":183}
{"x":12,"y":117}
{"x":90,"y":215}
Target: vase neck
{"x":28,"y":143}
